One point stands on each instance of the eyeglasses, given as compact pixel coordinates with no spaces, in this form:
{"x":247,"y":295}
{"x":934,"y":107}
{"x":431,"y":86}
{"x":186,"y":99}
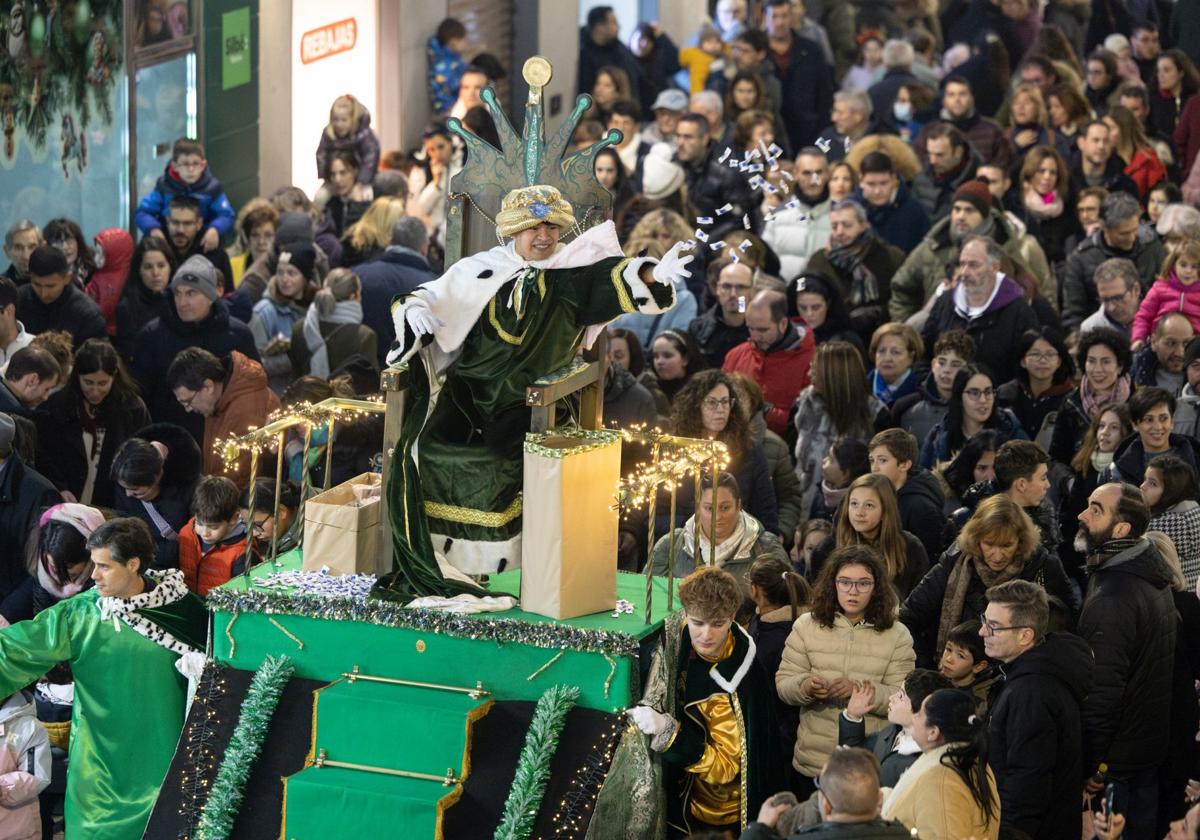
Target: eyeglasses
{"x":979,"y":393}
{"x":187,"y":404}
{"x":990,"y":628}
{"x":1041,"y":357}
{"x":1115,"y":298}
{"x":713,"y":403}
{"x":259,"y":527}
{"x":848,"y":585}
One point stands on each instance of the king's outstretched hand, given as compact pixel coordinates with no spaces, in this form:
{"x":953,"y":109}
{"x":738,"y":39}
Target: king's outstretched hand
{"x":673,"y":266}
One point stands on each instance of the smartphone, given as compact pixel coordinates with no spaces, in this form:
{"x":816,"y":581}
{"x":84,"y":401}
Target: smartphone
{"x":1106,"y":805}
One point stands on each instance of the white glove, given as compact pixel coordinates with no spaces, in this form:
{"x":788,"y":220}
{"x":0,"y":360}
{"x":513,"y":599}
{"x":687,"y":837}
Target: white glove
{"x":672,"y":266}
{"x":650,"y":721}
{"x":420,"y":320}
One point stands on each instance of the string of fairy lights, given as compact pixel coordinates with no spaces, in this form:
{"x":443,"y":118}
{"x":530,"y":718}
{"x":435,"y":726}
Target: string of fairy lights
{"x":201,"y":748}
{"x":258,"y":440}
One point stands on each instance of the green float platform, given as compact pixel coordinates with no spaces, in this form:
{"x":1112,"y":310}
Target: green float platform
{"x":515,"y":655}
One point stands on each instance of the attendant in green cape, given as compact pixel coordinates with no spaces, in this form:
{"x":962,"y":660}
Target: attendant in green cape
{"x":715,"y":734}
{"x":478,"y":337}
{"x":129,"y":641}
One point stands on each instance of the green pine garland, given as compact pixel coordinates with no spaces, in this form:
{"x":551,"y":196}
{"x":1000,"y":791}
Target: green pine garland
{"x":533,"y":767}
{"x":225,"y":797}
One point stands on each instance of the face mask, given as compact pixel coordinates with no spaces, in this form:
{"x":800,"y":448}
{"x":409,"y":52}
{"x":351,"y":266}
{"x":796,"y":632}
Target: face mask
{"x":902,"y":111}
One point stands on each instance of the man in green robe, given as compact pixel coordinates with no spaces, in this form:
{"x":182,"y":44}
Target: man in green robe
{"x":129,"y":641}
{"x":478,"y":337}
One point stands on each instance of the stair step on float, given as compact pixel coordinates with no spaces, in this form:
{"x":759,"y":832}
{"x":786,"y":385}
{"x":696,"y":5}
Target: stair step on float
{"x":332,"y":802}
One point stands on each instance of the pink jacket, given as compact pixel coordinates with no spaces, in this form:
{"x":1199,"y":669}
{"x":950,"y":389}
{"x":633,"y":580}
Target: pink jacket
{"x":1166,"y":295}
{"x":24,"y":769}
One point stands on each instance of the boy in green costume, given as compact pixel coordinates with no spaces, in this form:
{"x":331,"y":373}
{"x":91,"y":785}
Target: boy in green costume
{"x":478,"y":337}
{"x":129,"y":641}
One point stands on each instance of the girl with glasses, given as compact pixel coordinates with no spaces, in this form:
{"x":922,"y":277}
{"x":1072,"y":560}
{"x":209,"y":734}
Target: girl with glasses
{"x":1045,"y":375}
{"x":972,"y":408}
{"x":849,"y":637}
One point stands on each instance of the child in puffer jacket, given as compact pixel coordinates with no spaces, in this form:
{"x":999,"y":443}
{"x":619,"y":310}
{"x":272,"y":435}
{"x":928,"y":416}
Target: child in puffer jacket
{"x":349,"y":127}
{"x":443,"y":54}
{"x":1175,"y":291}
{"x":24,"y":768}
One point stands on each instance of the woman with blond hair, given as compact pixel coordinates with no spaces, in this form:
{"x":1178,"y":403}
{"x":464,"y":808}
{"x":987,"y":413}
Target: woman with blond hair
{"x":894,"y":350}
{"x":999,"y":543}
{"x":1031,"y":122}
{"x":371,"y":235}
{"x":870,"y":515}
{"x":653,"y":236}
{"x":849,"y":636}
{"x":834,"y":405}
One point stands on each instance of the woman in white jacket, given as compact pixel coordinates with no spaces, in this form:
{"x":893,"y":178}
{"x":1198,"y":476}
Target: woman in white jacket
{"x":850,"y":635}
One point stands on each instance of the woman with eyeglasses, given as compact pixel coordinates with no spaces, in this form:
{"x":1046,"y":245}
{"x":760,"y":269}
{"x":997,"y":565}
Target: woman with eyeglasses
{"x":835,"y":404}
{"x":1103,"y":355}
{"x":972,"y":409}
{"x":999,"y":543}
{"x":870,"y":515}
{"x":1045,"y":376}
{"x":262,"y":521}
{"x":707,"y":407}
{"x":849,"y":636}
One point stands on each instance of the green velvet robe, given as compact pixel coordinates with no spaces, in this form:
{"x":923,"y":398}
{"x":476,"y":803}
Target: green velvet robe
{"x":128,"y":711}
{"x":467,"y":502}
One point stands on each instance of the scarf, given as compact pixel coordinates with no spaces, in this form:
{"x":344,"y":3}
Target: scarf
{"x":833,"y":496}
{"x":960,"y":582}
{"x":739,"y":542}
{"x":985,"y":228}
{"x":1042,"y":206}
{"x":849,"y":259}
{"x":83,"y":519}
{"x":1110,"y":550}
{"x":884,"y":392}
{"x":344,"y":312}
{"x":168,"y":589}
{"x":1102,"y":460}
{"x":1095,"y":401}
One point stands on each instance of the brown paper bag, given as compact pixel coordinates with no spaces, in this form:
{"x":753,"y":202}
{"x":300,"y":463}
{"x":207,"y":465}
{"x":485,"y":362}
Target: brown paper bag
{"x":569,"y":532}
{"x":341,"y":534}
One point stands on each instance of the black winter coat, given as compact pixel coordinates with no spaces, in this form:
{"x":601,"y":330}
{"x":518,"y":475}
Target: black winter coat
{"x":711,"y":185}
{"x":137,"y":308}
{"x":24,"y":494}
{"x":1070,"y":428}
{"x":715,"y":337}
{"x":922,"y":610}
{"x":396,"y":272}
{"x":1036,"y":749}
{"x":73,"y":311}
{"x":921,"y":505}
{"x":1183,"y":756}
{"x":995,"y":332}
{"x":1129,"y":461}
{"x":181,"y":473}
{"x":61,"y":456}
{"x":1130,"y":621}
{"x":158,"y":343}
{"x":1079,"y":296}
{"x":807,"y":87}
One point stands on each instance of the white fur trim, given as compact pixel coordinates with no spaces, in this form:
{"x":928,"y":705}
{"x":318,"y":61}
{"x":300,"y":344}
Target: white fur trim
{"x":632,"y":277}
{"x":731,"y":686}
{"x":169,"y":588}
{"x":475,"y":557}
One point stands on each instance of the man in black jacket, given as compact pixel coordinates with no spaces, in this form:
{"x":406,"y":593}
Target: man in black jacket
{"x":1129,"y":620}
{"x":50,"y":301}
{"x":805,"y":78}
{"x":24,"y":494}
{"x":723,"y":327}
{"x":712,"y":184}
{"x":397,"y":271}
{"x":1035,"y":718}
{"x":600,"y":45}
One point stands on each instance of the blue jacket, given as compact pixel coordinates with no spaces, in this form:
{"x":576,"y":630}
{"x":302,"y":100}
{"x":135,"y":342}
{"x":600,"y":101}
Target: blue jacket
{"x":937,"y":449}
{"x":445,"y":72}
{"x":215,"y":209}
{"x":903,"y":222}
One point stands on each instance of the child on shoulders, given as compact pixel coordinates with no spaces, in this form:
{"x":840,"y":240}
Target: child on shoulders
{"x":1175,"y":291}
{"x":188,"y":175}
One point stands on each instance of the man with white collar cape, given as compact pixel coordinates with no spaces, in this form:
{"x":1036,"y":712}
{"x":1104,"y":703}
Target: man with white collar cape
{"x":474,"y":339}
{"x":130,"y":642}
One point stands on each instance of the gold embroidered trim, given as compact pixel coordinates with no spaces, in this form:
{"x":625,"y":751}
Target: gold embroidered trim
{"x":741,"y":725}
{"x":627,"y":304}
{"x":504,"y":334}
{"x":471,"y":516}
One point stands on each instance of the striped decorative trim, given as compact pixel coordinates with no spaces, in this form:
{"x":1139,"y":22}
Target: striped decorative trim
{"x":471,"y":516}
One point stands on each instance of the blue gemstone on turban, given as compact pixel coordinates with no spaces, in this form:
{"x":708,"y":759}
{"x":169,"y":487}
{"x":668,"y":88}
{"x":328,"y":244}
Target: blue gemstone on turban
{"x":539,"y":209}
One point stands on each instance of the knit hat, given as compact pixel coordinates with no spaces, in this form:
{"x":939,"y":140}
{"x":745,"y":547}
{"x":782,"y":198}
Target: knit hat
{"x":1192,"y":352}
{"x":46,"y":260}
{"x":661,"y":176}
{"x":196,"y":273}
{"x":293,"y":227}
{"x":977,"y":195}
{"x":671,"y":99}
{"x":8,"y":431}
{"x":302,"y":256}
{"x":528,"y":207}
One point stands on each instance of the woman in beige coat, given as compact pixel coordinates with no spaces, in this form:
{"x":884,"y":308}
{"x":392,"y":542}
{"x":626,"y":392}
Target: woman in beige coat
{"x":849,"y":636}
{"x":949,"y":793}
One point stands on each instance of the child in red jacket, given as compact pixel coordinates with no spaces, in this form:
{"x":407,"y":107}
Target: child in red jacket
{"x":212,"y":545}
{"x":1177,"y":290}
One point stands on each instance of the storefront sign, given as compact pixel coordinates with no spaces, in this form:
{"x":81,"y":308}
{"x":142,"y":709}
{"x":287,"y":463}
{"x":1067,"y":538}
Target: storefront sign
{"x":327,"y":40}
{"x":235,"y":48}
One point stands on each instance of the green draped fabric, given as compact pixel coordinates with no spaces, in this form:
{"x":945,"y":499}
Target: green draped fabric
{"x":470,"y":448}
{"x":128,"y":711}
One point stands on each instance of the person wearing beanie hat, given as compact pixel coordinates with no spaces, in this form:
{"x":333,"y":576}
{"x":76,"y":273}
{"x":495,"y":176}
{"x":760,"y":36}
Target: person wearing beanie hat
{"x":661,"y":176}
{"x":977,"y":194}
{"x":196,"y":273}
{"x":506,"y":316}
{"x":283,"y":305}
{"x":50,"y":301}
{"x":950,"y":164}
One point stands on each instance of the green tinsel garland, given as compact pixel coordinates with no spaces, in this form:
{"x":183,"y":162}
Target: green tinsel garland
{"x":533,"y":767}
{"x":225,"y":797}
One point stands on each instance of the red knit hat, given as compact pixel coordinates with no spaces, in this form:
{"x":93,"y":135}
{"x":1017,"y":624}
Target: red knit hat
{"x":976,"y":194}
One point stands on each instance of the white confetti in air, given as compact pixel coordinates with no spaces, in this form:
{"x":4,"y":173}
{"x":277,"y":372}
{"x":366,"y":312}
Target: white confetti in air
{"x":728,"y":208}
{"x":792,"y":205}
{"x":770,"y":188}
{"x":745,"y":246}
{"x":701,"y":235}
{"x":824,"y":144}
{"x":718,"y":245}
{"x":704,"y":220}
{"x":787,"y":176}
{"x":725,"y":155}
{"x":756,"y":182}
{"x":774,"y":151}
{"x":746,"y":221}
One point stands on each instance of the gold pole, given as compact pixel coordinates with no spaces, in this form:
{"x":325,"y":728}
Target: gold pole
{"x":697,"y":557}
{"x":650,"y":538}
{"x":323,"y":760}
{"x":712,"y":534}
{"x":329,"y":454}
{"x":275,"y":529}
{"x":253,"y":492}
{"x":671,"y":553}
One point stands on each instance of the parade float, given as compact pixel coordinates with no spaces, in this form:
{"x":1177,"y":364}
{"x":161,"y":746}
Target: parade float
{"x":328,"y":712}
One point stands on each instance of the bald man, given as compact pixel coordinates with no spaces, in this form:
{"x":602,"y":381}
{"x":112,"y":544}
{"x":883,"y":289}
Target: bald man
{"x":778,"y":356}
